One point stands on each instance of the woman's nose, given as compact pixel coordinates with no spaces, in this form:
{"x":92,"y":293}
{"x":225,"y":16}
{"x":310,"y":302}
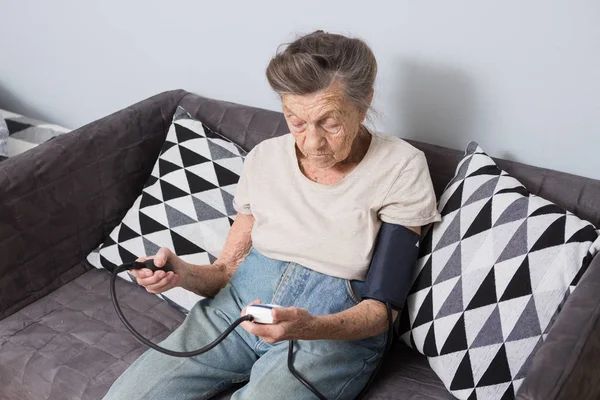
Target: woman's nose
{"x":314,"y":140}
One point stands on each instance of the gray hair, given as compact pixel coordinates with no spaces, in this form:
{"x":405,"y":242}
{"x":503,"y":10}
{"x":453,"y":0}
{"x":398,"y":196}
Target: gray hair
{"x":315,"y":61}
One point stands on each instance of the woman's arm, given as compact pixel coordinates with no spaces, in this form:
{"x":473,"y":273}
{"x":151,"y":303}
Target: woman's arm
{"x":366,"y":319}
{"x":208,"y":280}
{"x":205,"y":280}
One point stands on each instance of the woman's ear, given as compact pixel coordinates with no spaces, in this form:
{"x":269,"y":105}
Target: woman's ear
{"x":363,"y":115}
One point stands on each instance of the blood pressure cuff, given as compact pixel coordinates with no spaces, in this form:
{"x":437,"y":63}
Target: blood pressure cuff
{"x":394,"y":258}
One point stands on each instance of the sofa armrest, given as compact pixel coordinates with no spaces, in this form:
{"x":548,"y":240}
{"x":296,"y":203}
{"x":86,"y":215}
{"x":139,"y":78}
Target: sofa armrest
{"x":59,"y":200}
{"x":566,"y":366}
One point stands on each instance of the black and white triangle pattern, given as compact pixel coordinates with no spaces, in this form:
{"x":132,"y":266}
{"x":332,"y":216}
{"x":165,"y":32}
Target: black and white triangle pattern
{"x":186,"y":204}
{"x":491,"y":278}
{"x":3,"y":139}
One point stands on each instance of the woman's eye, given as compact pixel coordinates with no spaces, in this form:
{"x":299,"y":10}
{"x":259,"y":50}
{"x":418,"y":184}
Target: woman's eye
{"x":331,"y":127}
{"x":297,"y":126}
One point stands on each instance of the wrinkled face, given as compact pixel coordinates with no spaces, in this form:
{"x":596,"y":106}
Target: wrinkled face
{"x":324,"y":124}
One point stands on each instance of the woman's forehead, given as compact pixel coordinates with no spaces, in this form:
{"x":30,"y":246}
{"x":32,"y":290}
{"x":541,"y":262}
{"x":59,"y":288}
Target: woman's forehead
{"x":315,"y":106}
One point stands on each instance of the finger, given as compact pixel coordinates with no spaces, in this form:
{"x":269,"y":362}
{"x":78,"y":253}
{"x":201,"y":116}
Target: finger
{"x":147,"y":272}
{"x":261,"y":330}
{"x":162,"y":285}
{"x":269,"y":333}
{"x":142,"y":259}
{"x":152,"y":279}
{"x":170,"y":279}
{"x":158,"y":288}
{"x":134,"y":272}
{"x":247,"y":325}
{"x":142,"y":272}
{"x":162,"y":256}
{"x":257,"y":301}
{"x":148,"y":278}
{"x":173,"y":278}
{"x":285,"y":313}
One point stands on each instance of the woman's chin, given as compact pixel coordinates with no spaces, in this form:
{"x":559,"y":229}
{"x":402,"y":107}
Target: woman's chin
{"x":322,"y":162}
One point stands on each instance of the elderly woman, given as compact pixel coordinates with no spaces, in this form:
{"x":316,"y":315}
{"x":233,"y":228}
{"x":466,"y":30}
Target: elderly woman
{"x":310,"y":205}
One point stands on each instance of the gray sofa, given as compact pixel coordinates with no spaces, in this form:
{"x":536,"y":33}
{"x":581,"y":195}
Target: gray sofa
{"x":59,"y":335}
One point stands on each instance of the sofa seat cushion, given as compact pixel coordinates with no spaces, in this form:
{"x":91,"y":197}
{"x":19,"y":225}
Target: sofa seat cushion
{"x":70,"y":344}
{"x":406,"y":374}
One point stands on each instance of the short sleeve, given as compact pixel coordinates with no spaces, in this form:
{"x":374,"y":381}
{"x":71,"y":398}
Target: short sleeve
{"x":410,"y":201}
{"x":241,"y":200}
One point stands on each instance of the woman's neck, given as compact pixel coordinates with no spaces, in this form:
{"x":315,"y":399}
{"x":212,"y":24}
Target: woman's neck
{"x":360,"y":146}
{"x":338,"y":171}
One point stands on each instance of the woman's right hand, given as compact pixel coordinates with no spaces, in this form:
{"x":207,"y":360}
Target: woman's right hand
{"x":161,"y":281}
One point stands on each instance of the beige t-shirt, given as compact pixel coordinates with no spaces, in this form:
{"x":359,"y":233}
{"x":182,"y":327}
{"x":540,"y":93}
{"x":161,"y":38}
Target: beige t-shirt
{"x":332,"y":228}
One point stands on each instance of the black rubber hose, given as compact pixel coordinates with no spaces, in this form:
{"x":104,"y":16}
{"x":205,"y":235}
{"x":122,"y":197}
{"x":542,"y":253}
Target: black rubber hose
{"x":315,"y":391}
{"x":222,"y":336}
{"x":297,"y":375}
{"x":154,"y":346}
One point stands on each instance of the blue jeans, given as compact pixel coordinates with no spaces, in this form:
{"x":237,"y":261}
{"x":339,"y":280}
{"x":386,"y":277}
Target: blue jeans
{"x":338,"y":369}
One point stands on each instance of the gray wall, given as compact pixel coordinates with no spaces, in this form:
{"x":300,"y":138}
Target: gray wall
{"x":520,"y":77}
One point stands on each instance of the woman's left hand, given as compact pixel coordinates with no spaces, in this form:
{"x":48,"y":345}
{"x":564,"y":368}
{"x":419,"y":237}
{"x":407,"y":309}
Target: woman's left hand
{"x":292,"y":323}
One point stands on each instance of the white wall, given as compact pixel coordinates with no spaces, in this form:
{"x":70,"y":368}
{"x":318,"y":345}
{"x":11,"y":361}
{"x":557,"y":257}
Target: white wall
{"x":520,"y":77}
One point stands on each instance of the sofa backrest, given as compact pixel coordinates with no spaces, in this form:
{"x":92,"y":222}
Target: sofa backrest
{"x":248,"y":126}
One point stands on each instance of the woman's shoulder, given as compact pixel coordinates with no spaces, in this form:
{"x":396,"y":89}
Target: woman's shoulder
{"x":394,"y":150}
{"x":269,"y":152}
{"x":277,"y":143}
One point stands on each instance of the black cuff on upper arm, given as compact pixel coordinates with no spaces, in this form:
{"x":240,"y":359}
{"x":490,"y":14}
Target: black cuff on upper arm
{"x":391,"y":269}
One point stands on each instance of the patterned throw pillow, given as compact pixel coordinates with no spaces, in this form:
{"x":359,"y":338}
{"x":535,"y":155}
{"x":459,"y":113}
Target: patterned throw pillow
{"x":491,"y":278}
{"x":186,"y":204}
{"x":25,"y":133}
{"x":3,"y":139}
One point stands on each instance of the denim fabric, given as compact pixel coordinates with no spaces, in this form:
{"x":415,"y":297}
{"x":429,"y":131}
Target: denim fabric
{"x":339,"y":369}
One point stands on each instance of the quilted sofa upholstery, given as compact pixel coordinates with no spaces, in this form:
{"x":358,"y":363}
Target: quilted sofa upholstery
{"x":60,"y":337}
{"x":72,"y":345}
